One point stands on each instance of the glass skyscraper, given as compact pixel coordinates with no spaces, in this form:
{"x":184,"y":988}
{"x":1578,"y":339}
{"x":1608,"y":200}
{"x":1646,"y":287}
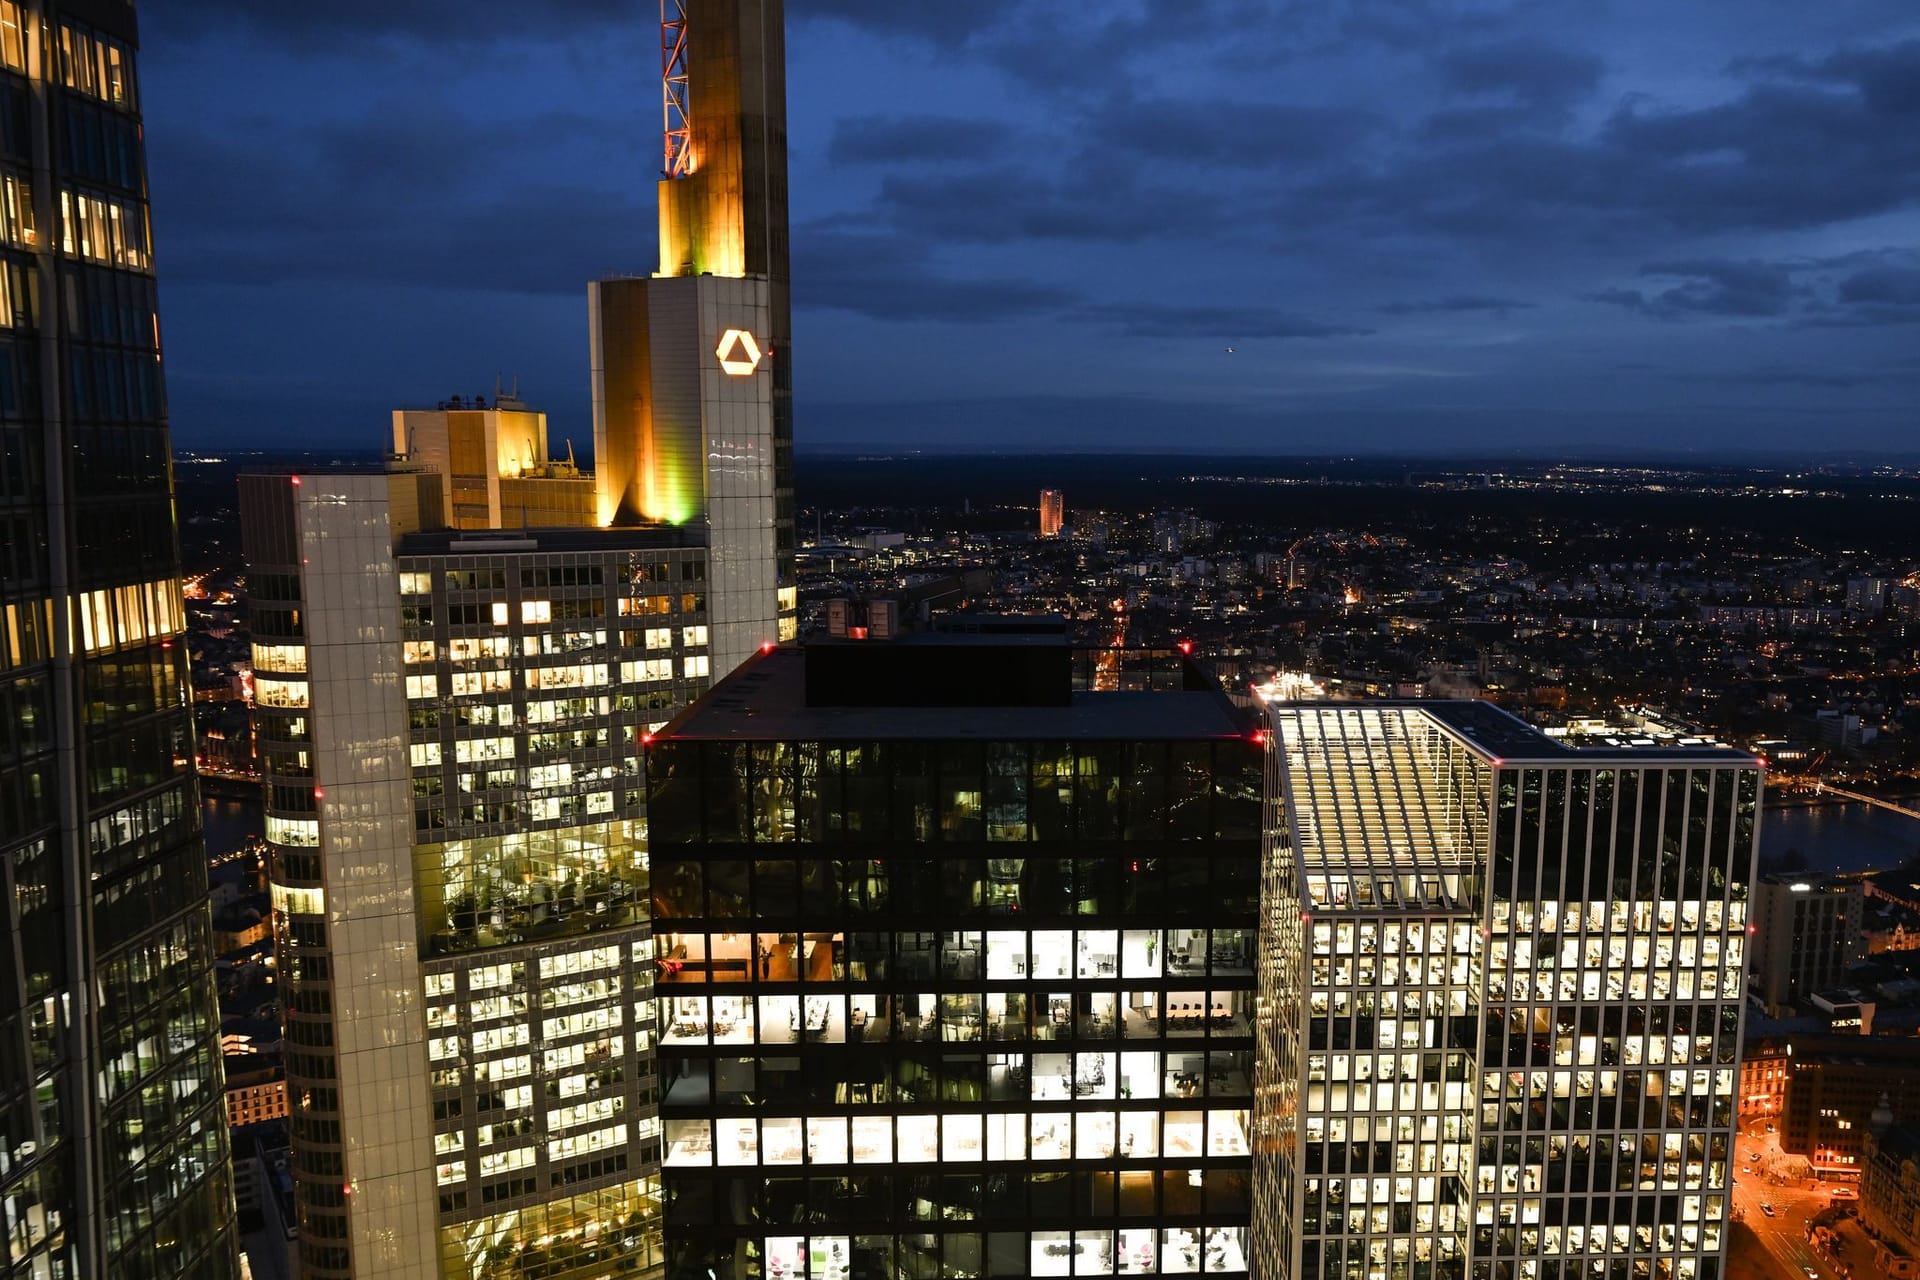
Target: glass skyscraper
{"x":956,"y":978}
{"x":113,"y":1153}
{"x":1504,"y":980}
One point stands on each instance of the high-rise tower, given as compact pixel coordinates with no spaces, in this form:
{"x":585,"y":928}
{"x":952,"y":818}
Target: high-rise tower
{"x":692,"y":382}
{"x":956,"y":937}
{"x":1502,"y":979}
{"x":448,"y":723}
{"x":113,"y":1150}
{"x":1052,"y":512}
{"x":457,"y":662}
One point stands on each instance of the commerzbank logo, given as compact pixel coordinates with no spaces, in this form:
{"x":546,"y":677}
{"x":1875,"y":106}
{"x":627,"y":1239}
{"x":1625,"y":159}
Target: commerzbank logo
{"x":739,"y":353}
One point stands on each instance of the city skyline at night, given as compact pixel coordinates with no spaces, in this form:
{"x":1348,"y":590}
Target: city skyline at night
{"x":1266,"y":638}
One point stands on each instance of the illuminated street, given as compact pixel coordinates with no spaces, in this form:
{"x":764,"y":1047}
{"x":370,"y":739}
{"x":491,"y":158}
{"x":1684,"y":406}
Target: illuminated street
{"x":1767,"y":1176}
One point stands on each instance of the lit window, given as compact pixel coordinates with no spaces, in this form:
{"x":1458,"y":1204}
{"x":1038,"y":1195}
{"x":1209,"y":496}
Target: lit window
{"x":16,"y":212}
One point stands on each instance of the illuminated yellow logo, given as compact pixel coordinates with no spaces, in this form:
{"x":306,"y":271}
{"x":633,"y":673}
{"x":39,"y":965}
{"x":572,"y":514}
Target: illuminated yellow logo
{"x":739,"y":353}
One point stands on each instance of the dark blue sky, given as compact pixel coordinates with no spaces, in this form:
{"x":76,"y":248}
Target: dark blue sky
{"x":1421,"y":225}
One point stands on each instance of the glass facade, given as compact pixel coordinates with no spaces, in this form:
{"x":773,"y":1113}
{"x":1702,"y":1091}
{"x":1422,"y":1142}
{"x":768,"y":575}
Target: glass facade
{"x":933,"y":1006}
{"x":113,"y":1149}
{"x":1514,"y":1014}
{"x":518,"y":683}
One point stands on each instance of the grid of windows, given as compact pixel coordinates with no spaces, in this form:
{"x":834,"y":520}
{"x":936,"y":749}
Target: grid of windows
{"x":530,"y":890}
{"x":986,"y":1007}
{"x":113,"y":1156}
{"x":529,"y":691}
{"x":1541,"y":1072}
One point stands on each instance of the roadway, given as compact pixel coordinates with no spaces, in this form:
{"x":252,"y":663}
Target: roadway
{"x":1767,"y":1176}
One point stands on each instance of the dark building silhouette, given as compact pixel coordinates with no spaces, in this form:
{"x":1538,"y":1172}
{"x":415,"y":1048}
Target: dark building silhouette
{"x":957,"y":938}
{"x":113,"y":1137}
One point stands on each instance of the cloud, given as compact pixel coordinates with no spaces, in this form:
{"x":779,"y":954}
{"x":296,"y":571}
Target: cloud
{"x":1725,"y":288}
{"x":1780,"y":154}
{"x":442,"y":22}
{"x":1186,"y":173}
{"x":1539,"y":75}
{"x":400,"y":195}
{"x":1873,"y":287}
{"x":1454,"y":303}
{"x":887,"y":278}
{"x":1244,"y":323}
{"x":1236,"y":131}
{"x":1811,"y":379}
{"x":915,"y":139}
{"x":1503,"y":162}
{"x":945,"y":25}
{"x":894,"y":279}
{"x":1109,"y":201}
{"x":1721,"y":289}
{"x":1889,"y":285}
{"x":1883,"y":74}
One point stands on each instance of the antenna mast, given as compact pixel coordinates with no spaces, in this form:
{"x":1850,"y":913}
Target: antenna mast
{"x":678,"y":134}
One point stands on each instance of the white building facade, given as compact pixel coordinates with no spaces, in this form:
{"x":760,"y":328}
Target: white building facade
{"x":1502,"y":980}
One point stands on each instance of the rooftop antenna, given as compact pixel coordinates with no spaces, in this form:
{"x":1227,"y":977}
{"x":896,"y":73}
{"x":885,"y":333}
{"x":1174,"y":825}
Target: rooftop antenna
{"x":677,"y":133}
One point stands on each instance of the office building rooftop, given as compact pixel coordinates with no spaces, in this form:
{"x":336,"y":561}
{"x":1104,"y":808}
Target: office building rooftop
{"x":956,"y":686}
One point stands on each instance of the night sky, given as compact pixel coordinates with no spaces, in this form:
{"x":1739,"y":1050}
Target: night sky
{"x":1419,"y":226}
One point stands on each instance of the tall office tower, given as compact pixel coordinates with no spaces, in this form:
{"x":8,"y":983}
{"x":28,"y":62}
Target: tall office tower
{"x":113,"y":1149}
{"x":448,"y":724}
{"x":957,"y":968}
{"x":692,"y":381}
{"x":1052,"y":512}
{"x":1504,"y":977}
{"x":1806,"y":931}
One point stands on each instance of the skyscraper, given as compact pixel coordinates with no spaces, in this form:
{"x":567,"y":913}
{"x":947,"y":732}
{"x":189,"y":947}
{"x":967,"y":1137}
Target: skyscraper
{"x":113,"y":1150}
{"x":448,"y":724}
{"x":1052,"y":512}
{"x":957,"y":970}
{"x":455,"y":663}
{"x":692,"y":377}
{"x":1504,"y":978}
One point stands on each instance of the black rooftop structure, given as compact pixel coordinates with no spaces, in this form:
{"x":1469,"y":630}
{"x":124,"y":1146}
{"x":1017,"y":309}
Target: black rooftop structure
{"x":975,"y":684}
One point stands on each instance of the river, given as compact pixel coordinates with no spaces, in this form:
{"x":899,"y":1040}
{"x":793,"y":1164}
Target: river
{"x":1840,"y":837}
{"x":229,"y":821}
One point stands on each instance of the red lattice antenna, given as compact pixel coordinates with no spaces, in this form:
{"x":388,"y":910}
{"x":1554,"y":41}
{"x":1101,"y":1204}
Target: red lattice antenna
{"x":678,"y":134}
